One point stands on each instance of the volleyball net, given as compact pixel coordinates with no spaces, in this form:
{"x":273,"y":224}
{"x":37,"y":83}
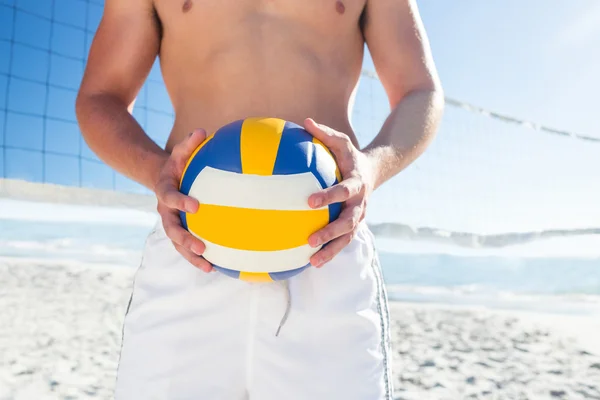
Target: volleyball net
{"x":485,"y":172}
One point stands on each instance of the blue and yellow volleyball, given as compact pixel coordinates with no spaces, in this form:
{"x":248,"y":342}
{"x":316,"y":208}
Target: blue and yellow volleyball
{"x":252,"y":179}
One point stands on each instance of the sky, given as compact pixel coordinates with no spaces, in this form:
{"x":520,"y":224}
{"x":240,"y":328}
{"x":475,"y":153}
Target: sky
{"x":537,"y":60}
{"x":534,"y":59}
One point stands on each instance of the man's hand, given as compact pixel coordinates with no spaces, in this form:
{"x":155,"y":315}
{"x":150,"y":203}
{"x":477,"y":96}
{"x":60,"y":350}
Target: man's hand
{"x":171,"y":201}
{"x":354,"y":189}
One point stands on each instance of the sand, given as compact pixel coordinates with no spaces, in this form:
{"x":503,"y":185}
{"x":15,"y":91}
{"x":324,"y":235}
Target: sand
{"x":60,"y":333}
{"x":446,"y":353}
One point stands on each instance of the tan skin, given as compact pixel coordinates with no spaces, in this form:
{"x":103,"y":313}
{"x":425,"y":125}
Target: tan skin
{"x":232,"y":59}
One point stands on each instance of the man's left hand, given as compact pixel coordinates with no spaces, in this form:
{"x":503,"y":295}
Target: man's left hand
{"x":357,"y":184}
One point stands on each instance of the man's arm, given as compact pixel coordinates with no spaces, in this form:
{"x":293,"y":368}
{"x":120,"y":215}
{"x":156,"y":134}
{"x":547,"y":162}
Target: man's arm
{"x":398,"y":44}
{"x":121,"y":56}
{"x":402,"y":57}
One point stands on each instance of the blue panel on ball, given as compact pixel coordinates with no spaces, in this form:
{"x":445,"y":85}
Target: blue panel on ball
{"x":326,"y":179}
{"x":222,"y":152}
{"x":283,"y":275}
{"x":292,"y":156}
{"x":334,"y":211}
{"x":229,"y":272}
{"x":297,"y":154}
{"x":313,"y":166}
{"x":183,"y":216}
{"x":318,"y":167}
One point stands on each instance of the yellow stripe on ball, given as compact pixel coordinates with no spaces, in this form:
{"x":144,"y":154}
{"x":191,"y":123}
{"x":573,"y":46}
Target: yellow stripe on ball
{"x":255,"y":229}
{"x":255,"y":277}
{"x":259,"y":143}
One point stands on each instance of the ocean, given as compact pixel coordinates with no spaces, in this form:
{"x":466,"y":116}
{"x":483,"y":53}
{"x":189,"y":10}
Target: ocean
{"x":557,"y":275}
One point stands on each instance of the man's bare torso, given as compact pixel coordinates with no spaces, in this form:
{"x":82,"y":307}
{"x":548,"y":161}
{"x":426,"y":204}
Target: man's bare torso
{"x":224,"y":60}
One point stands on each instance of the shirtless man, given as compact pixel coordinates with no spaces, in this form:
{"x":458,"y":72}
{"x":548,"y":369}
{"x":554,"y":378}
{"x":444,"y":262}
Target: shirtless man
{"x":191,"y":334}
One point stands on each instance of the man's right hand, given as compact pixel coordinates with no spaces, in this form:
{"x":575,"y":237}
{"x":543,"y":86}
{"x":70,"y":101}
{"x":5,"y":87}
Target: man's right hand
{"x":171,"y":201}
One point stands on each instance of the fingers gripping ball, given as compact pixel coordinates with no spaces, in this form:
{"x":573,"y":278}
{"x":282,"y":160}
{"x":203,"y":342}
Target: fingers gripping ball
{"x":252,"y":179}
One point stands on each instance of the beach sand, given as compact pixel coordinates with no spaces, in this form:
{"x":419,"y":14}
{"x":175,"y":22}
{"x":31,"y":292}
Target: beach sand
{"x":60,"y":334}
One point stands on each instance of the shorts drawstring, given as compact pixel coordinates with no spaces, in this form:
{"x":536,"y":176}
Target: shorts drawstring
{"x":288,"y":306}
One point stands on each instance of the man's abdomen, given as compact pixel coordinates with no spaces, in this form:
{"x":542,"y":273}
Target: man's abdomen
{"x":292,"y":82}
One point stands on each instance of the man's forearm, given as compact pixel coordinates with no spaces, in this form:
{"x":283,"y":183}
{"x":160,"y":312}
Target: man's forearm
{"x":406,"y":133}
{"x":115,"y":136}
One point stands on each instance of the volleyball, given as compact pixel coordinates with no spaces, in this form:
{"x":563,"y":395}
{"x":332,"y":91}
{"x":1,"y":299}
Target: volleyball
{"x":252,"y":179}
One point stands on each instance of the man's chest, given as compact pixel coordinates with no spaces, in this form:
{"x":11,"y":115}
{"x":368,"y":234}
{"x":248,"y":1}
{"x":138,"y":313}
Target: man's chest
{"x":321,"y":15}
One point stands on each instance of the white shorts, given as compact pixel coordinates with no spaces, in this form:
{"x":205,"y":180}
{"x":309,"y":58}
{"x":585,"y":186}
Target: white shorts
{"x":189,"y":335}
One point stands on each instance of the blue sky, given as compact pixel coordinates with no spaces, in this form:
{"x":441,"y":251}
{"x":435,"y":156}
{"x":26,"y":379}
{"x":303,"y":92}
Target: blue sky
{"x":537,"y":59}
{"x":534,"y":59}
